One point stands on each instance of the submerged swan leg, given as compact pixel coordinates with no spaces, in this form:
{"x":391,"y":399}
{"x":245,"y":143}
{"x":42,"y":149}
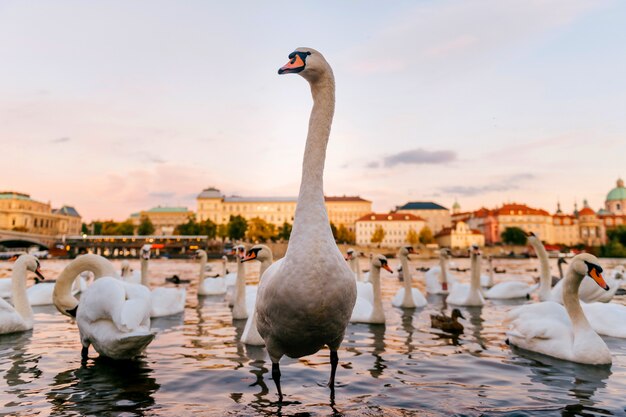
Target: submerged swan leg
{"x":276,"y":378}
{"x":334,"y":360}
{"x":84,"y":353}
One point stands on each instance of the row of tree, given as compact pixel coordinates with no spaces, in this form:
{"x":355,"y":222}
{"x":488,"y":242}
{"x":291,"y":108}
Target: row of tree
{"x":111,"y":227}
{"x":425,"y":236}
{"x":616,"y":243}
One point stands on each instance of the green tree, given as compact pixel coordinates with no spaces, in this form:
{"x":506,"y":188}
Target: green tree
{"x":344,"y":235}
{"x":108,"y":228}
{"x":412,"y":237}
{"x":237,"y":227}
{"x":618,"y":234}
{"x":191,"y":228}
{"x":208,"y":228}
{"x":97,"y":227}
{"x":125,"y":228}
{"x":222,"y":231}
{"x":513,"y":236}
{"x":378,"y":236}
{"x":145,"y":227}
{"x":260,"y":230}
{"x":84,"y":229}
{"x":426,"y":236}
{"x":333,"y":229}
{"x":284,"y":231}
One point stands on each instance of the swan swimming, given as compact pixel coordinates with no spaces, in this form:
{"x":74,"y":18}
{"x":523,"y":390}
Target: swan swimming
{"x":19,"y":316}
{"x":365,"y":311}
{"x":164,"y":301}
{"x":264,"y":255}
{"x":468,"y":294}
{"x":407,"y":296}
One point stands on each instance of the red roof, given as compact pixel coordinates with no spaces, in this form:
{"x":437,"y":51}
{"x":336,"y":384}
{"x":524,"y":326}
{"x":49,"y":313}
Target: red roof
{"x":345,"y":199}
{"x":513,"y":209}
{"x":586,"y":211}
{"x":395,"y":217}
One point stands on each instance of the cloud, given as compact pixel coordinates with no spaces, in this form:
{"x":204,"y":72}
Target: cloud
{"x":60,"y":140}
{"x":372,"y":164}
{"x":420,"y":156}
{"x":509,"y":183}
{"x":162,"y":195}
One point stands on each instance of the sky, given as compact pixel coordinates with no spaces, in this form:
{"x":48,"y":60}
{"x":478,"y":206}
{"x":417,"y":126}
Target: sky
{"x":115,"y":107}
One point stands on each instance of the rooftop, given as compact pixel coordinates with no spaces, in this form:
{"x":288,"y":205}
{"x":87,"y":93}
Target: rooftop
{"x":160,"y":209}
{"x":14,"y":195}
{"x":617,"y":193}
{"x":394,"y":217}
{"x":422,"y":205}
{"x":66,"y":210}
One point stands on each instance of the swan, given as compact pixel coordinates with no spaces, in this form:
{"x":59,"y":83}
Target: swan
{"x":562,"y":331}
{"x":589,"y":291}
{"x":40,"y":294}
{"x":242,"y":297}
{"x":468,"y":294}
{"x":5,"y":287}
{"x":19,"y":316}
{"x":128,"y":275}
{"x":407,"y":297}
{"x":438,"y":278}
{"x":486,"y":280}
{"x":239,"y":252}
{"x":113,"y":315}
{"x":365,"y":311}
{"x":164,"y":301}
{"x":363,"y":288}
{"x":210,"y":286}
{"x":513,"y":289}
{"x":305,"y":300}
{"x":250,"y":334}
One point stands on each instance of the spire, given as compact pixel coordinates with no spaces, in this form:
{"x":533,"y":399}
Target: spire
{"x":558,"y":208}
{"x":620,"y":183}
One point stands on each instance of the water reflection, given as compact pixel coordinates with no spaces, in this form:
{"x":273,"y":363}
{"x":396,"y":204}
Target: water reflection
{"x":23,"y":367}
{"x":377,"y":349}
{"x":473,"y":314}
{"x":104,"y":386}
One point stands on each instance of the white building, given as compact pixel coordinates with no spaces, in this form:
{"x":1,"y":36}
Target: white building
{"x":437,"y":217}
{"x":395,"y":225}
{"x":460,"y":236}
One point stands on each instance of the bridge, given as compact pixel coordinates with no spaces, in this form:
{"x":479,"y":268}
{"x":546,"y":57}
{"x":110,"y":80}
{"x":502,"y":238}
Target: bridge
{"x":12,"y":239}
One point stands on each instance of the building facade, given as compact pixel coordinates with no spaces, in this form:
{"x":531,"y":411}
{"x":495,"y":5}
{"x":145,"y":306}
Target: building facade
{"x":395,"y":225}
{"x":459,"y":236}
{"x":213,"y":205}
{"x":164,"y":219}
{"x":437,"y":217}
{"x":19,"y":212}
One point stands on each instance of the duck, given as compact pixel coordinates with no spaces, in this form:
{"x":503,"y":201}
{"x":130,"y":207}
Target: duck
{"x":211,"y":285}
{"x":462,"y":294}
{"x":365,"y":311}
{"x":407,"y":296}
{"x":19,"y":316}
{"x":447,"y":324}
{"x":363,"y":286}
{"x":113,"y":316}
{"x":175,"y":279}
{"x":305,"y":299}
{"x":562,"y":331}
{"x":263,"y":254}
{"x":164,"y":301}
{"x":438,"y":278}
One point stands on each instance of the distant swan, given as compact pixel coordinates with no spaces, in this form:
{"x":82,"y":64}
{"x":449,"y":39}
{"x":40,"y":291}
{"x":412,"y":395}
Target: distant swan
{"x":19,"y":316}
{"x":363,"y":287}
{"x":250,"y":334}
{"x":210,"y":286}
{"x":164,"y":301}
{"x":365,"y":311}
{"x":407,"y":296}
{"x":438,"y":278}
{"x":468,"y":294}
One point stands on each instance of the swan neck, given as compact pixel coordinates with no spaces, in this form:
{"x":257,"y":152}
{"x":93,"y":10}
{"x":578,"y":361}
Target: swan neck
{"x":545,"y":278}
{"x":377,"y":310}
{"x":266,"y":263}
{"x":18,"y":290}
{"x":354,"y":263}
{"x":240,"y":286}
{"x":491,"y":272}
{"x":443,"y":269}
{"x":475,"y":273}
{"x":571,"y":302}
{"x":203,"y":259}
{"x":144,"y":272}
{"x":404,"y":261}
{"x":100,"y":267}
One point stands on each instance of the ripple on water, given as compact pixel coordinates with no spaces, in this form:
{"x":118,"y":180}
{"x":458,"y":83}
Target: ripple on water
{"x":198,"y":366}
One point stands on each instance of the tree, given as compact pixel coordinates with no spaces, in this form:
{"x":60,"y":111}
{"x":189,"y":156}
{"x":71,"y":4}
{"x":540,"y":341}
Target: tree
{"x":191,"y":228}
{"x":260,"y":230}
{"x":145,"y":227}
{"x":378,"y":236}
{"x":84,"y":229}
{"x":514,"y":236}
{"x":222,"y":231}
{"x":284,"y":231}
{"x":333,"y":229}
{"x":237,"y":227}
{"x":426,"y":236}
{"x":345,"y":236}
{"x":125,"y":228}
{"x":208,"y":228}
{"x":108,"y":227}
{"x":412,"y":237}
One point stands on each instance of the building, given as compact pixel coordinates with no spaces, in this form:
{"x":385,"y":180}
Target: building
{"x":459,"y":236}
{"x":616,"y":199}
{"x":19,"y":212}
{"x":218,"y":208}
{"x":396,"y":227}
{"x":565,"y":228}
{"x":164,"y":219}
{"x":437,"y":217}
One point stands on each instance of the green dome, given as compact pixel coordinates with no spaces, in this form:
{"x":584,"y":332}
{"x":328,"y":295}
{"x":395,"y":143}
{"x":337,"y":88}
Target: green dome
{"x":617,"y":193}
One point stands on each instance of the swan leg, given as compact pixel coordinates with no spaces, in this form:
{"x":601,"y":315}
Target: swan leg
{"x":84,"y":353}
{"x":276,"y":378}
{"x":334,"y":361}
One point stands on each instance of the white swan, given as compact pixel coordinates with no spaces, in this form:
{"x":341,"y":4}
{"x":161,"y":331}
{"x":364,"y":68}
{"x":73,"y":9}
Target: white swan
{"x":242,"y":297}
{"x":5,"y":287}
{"x":305,"y":300}
{"x":438,"y":278}
{"x":210,"y":286}
{"x":512,"y":289}
{"x":486,"y":280}
{"x":589,"y":292}
{"x":407,"y":296}
{"x":239,"y":252}
{"x":113,"y":316}
{"x":562,"y":332}
{"x":250,"y":334}
{"x":365,"y":311}
{"x":164,"y":301}
{"x":468,"y":294}
{"x":128,"y":275}
{"x":363,"y":288}
{"x":19,"y":316}
{"x":40,"y":294}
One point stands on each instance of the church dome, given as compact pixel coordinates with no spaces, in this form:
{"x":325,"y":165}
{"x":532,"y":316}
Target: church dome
{"x":617,"y":193}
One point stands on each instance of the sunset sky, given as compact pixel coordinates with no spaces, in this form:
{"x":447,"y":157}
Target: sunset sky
{"x":114,"y":107}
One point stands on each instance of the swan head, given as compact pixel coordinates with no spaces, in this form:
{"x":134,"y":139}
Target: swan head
{"x":407,"y":250}
{"x":258,"y":253}
{"x":444,"y":253}
{"x":351,"y":254}
{"x":144,"y":252}
{"x":239,"y":251}
{"x":307,"y":62}
{"x":587,"y":264}
{"x":31,"y":263}
{"x":380,"y":261}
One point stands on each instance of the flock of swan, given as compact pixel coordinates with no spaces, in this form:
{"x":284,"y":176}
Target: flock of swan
{"x":305,"y":300}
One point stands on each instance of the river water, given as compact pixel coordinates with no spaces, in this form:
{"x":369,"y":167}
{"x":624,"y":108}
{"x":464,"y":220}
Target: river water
{"x":197,"y":365}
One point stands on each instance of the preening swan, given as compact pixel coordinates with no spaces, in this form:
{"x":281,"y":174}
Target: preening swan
{"x":407,"y":296}
{"x":562,"y":331}
{"x":210,"y":286}
{"x":128,"y":275}
{"x":250,"y":334}
{"x":438,"y":279}
{"x":40,"y":294}
{"x":164,"y":301}
{"x":305,"y":300}
{"x":468,"y":294}
{"x":113,"y":315}
{"x":19,"y":316}
{"x":364,"y":310}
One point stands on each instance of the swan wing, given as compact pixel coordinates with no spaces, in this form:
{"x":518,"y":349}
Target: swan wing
{"x":40,"y":294}
{"x":362,"y":311}
{"x":167,"y":301}
{"x":10,"y":320}
{"x":607,"y":319}
{"x":509,"y":290}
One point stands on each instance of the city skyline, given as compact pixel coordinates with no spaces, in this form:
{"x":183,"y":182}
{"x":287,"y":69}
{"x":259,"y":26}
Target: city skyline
{"x":149,"y":103}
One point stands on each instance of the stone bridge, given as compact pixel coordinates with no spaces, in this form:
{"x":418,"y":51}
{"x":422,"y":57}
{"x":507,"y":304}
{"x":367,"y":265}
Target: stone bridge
{"x":12,"y":239}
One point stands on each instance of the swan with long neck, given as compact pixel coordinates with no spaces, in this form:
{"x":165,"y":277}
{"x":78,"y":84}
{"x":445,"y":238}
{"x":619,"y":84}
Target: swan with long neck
{"x":19,"y":316}
{"x":240,"y":290}
{"x":364,"y":288}
{"x":372,"y":312}
{"x":439,"y":279}
{"x":305,"y":301}
{"x":407,"y":296}
{"x":164,"y":301}
{"x":469,"y":295}
{"x":210,"y":286}
{"x":263,"y":254}
{"x":511,"y":289}
{"x":562,"y":331}
{"x":113,"y":315}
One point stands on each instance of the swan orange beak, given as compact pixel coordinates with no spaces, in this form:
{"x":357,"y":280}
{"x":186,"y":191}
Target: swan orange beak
{"x":386,"y":268}
{"x":249,"y":257}
{"x":296,"y":64}
{"x":597,"y":277}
